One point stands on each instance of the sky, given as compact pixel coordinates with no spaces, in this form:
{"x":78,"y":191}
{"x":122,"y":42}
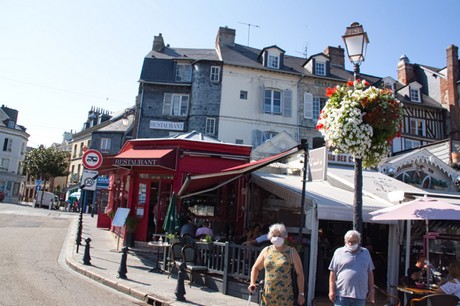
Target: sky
{"x":60,"y":58}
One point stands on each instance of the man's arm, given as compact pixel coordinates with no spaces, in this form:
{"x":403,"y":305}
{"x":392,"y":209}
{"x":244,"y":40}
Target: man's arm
{"x":332,"y":279}
{"x":371,"y":290}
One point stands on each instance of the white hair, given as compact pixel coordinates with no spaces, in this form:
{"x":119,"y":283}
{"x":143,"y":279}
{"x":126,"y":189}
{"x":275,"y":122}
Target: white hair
{"x":277,"y":227}
{"x":350,"y":234}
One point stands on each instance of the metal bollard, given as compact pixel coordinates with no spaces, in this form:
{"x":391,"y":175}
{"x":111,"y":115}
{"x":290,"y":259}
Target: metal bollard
{"x":180,"y":288}
{"x":123,"y":270}
{"x":86,"y":256}
{"x":79,"y":232}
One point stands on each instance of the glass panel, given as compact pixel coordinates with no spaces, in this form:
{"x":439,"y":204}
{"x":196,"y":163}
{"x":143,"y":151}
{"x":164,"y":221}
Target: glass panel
{"x":142,"y":194}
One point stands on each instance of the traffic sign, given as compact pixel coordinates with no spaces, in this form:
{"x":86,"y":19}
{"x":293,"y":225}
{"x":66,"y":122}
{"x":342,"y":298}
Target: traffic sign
{"x":92,"y":159}
{"x":88,"y":180}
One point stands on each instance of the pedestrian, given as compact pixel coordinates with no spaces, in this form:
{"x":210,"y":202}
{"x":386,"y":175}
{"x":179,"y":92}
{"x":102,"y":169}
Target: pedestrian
{"x":277,"y":259}
{"x":351,"y":280}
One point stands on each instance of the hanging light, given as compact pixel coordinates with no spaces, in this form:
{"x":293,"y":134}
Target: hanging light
{"x":356,"y":41}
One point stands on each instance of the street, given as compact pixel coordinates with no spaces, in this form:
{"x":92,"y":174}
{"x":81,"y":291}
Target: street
{"x":33,"y":269}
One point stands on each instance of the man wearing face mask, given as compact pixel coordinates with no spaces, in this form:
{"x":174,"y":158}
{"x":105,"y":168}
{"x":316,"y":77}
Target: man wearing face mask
{"x":351,"y":280}
{"x":277,"y":260}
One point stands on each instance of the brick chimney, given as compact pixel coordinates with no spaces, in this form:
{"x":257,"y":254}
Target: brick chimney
{"x":158,"y":43}
{"x":225,"y":36}
{"x":451,"y":89}
{"x":406,"y":72}
{"x":336,"y":55}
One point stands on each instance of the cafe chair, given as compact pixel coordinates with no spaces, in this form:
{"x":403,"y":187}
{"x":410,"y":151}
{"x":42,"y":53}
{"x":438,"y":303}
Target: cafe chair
{"x":435,"y":299}
{"x":175,"y":256}
{"x":390,"y":299}
{"x":192,"y":267}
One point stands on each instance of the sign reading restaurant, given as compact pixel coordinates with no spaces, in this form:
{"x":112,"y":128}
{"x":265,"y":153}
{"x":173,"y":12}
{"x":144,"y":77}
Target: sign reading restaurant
{"x":166,"y":125}
{"x":135,"y":162}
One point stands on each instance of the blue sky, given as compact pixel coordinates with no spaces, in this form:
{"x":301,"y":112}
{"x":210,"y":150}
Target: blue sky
{"x":58,"y":58}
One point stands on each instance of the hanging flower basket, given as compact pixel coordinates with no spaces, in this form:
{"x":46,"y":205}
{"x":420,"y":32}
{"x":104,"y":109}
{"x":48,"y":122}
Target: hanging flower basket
{"x":360,"y":120}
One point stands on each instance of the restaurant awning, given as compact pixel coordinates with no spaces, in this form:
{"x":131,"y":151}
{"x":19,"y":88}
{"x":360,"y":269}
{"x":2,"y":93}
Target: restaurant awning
{"x":142,"y":157}
{"x":197,"y":184}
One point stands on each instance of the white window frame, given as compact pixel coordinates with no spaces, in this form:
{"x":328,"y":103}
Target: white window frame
{"x":414,"y":94}
{"x":176,"y":105}
{"x":273,"y":61}
{"x":106,"y":143}
{"x":215,"y":74}
{"x":210,"y":127}
{"x":320,"y":68}
{"x":5,"y":164}
{"x":272,"y":103}
{"x":411,"y":144}
{"x":417,"y":127}
{"x":7,"y":144}
{"x":183,"y":72}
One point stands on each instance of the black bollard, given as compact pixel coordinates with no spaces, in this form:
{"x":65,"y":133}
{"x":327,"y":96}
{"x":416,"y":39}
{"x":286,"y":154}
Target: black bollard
{"x":180,"y":288}
{"x":122,"y":271}
{"x":86,"y":257}
{"x":79,"y":232}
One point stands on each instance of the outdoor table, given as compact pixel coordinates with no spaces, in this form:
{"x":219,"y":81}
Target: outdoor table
{"x":416,"y":290}
{"x":159,"y":246}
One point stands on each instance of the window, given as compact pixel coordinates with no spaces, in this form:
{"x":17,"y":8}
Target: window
{"x":183,"y":73}
{"x":414,"y":95}
{"x":5,"y":164}
{"x":74,"y":151}
{"x":243,"y":95}
{"x":80,"y":154}
{"x":272,"y":101}
{"x":175,"y":105}
{"x":210,"y":128}
{"x":273,"y":61}
{"x":7,"y":143}
{"x":11,"y":124}
{"x":417,"y":127}
{"x":411,"y":144}
{"x":320,"y":68}
{"x":215,"y":74}
{"x":308,"y":105}
{"x":106,"y":143}
{"x":239,"y":141}
{"x":318,"y":105}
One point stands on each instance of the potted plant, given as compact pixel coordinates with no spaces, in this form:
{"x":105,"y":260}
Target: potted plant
{"x":131,"y":223}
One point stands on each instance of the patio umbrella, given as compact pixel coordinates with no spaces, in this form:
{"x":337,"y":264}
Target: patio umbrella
{"x":74,"y":196}
{"x":420,"y":209}
{"x":171,"y":223}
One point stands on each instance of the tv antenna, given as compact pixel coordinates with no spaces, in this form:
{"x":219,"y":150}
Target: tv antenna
{"x":249,"y":28}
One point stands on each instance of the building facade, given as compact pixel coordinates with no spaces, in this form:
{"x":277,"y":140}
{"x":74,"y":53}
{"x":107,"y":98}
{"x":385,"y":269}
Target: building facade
{"x":13,"y":139}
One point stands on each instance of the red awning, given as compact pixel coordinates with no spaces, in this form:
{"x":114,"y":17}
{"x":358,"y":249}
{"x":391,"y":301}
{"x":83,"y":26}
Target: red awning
{"x":146,"y":158}
{"x":202,"y":183}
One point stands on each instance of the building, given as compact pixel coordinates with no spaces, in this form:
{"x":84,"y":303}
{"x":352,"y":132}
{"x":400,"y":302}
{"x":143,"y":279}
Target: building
{"x":13,"y":139}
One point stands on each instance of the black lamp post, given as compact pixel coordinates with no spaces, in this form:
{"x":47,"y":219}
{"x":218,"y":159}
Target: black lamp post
{"x":356,"y":41}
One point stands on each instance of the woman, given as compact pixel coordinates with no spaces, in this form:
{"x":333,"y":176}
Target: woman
{"x":452,"y":286}
{"x":277,"y":259}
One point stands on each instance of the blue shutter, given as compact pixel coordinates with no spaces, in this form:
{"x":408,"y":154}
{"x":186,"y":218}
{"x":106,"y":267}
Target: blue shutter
{"x":308,"y":105}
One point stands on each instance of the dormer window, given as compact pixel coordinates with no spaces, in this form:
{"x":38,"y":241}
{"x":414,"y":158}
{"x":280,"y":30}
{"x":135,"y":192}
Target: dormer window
{"x":183,"y":73}
{"x":414,"y":95}
{"x":273,"y":61}
{"x":320,"y":68}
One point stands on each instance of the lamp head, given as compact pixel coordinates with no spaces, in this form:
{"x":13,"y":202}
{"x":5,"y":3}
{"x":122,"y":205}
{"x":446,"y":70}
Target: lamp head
{"x":356,"y":41}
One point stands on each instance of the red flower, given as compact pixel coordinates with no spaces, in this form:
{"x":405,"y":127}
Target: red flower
{"x":330,"y":91}
{"x":350,"y":83}
{"x":366,"y":83}
{"x":319,"y":126}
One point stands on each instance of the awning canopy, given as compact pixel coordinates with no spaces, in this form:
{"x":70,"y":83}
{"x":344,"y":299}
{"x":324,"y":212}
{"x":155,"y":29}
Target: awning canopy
{"x":142,"y":157}
{"x":198,"y":184}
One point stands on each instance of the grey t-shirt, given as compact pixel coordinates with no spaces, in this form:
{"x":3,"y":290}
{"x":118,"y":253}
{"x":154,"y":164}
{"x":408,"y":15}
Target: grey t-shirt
{"x":352,"y":272}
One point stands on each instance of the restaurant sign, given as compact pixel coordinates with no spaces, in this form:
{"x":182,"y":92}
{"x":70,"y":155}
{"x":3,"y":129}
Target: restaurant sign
{"x":166,"y":125}
{"x":136,"y":162}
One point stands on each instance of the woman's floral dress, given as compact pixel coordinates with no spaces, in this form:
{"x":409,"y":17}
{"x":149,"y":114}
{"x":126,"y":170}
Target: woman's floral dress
{"x":278,"y":282}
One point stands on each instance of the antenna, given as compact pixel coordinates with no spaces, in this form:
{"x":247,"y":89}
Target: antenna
{"x":249,"y":28}
{"x":305,"y":53}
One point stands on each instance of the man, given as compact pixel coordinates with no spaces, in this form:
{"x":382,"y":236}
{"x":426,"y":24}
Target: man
{"x":188,"y":228}
{"x":415,"y":272}
{"x":204,"y":230}
{"x":351,"y":280}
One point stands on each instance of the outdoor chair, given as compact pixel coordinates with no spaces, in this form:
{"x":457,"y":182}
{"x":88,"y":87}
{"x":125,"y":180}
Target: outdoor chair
{"x":390,"y":299}
{"x":175,"y":256}
{"x":191,"y":265}
{"x":436,"y":299}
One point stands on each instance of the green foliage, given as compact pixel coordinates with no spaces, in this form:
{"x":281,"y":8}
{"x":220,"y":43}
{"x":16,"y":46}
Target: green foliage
{"x":45,"y":163}
{"x":131,"y":223}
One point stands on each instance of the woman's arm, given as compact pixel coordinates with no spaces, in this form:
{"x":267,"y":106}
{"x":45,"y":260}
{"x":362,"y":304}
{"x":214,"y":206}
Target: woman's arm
{"x":258,"y":265}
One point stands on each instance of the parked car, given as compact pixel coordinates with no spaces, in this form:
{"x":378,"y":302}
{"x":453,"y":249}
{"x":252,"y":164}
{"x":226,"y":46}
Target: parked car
{"x":49,"y":198}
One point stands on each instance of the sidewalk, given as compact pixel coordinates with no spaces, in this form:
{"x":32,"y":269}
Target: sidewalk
{"x":154,"y":288}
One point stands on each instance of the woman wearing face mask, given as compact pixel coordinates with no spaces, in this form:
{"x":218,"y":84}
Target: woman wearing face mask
{"x":351,"y":281}
{"x":277,"y":259}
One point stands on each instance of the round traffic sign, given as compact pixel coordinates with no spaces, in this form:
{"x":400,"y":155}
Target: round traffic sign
{"x":92,"y":159}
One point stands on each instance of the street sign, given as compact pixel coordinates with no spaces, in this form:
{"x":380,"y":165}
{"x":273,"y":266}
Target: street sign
{"x":92,"y":159}
{"x":38,"y":185}
{"x":88,"y":180}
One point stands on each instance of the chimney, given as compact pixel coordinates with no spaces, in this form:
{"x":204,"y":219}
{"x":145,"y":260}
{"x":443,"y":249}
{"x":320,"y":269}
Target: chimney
{"x":336,"y":55}
{"x":225,"y":36}
{"x":452,"y":74}
{"x":158,"y":43}
{"x":406,"y":73}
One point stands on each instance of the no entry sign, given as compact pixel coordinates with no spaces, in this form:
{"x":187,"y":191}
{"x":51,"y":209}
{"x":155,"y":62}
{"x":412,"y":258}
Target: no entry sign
{"x":92,"y":159}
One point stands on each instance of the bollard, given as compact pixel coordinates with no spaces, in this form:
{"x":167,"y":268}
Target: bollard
{"x":180,"y":288}
{"x":79,"y":232}
{"x":86,"y":257}
{"x":122,"y":271}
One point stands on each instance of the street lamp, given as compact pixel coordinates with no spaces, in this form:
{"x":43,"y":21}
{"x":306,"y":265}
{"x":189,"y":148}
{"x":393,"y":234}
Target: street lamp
{"x":356,"y":41}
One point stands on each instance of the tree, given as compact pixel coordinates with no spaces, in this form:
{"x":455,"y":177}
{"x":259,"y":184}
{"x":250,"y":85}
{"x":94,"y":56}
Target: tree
{"x":45,"y":163}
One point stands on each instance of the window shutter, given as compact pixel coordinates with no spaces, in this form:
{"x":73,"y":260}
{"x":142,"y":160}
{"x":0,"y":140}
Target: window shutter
{"x":287,"y":103}
{"x":308,"y":105}
{"x":262,"y":98}
{"x":167,"y":104}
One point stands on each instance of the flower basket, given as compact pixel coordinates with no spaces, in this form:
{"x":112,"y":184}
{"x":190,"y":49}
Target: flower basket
{"x":360,"y":120}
